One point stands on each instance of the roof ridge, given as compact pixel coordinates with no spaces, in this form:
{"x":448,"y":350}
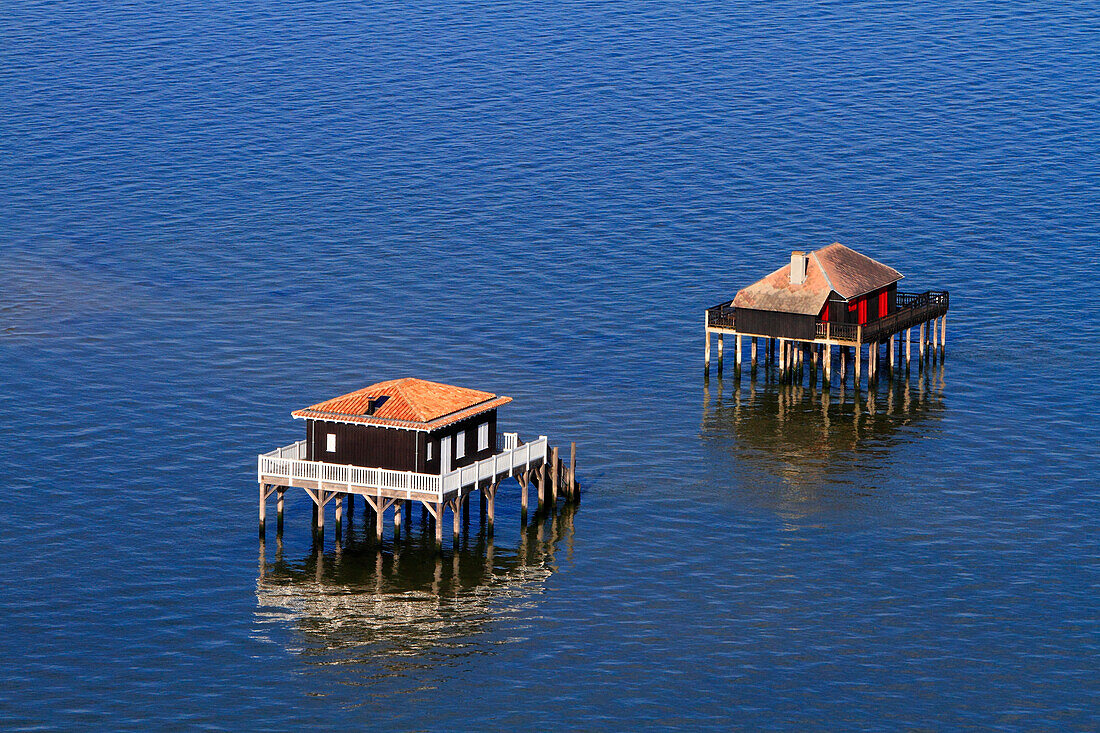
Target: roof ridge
{"x":399,"y":387}
{"x":828,"y":280}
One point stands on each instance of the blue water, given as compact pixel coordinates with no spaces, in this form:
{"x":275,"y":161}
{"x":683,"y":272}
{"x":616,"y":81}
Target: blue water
{"x":214,"y":213}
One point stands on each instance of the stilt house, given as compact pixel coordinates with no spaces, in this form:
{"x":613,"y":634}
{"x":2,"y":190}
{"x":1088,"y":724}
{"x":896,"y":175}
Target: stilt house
{"x":407,"y":440}
{"x":830,"y":297}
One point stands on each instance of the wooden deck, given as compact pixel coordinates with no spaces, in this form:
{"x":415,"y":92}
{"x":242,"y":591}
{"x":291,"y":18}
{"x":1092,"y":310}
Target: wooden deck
{"x":534,"y":462}
{"x":913,"y":309}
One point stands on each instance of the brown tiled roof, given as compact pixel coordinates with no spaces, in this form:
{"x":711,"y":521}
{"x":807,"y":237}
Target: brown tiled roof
{"x":406,"y":403}
{"x":833,"y":268}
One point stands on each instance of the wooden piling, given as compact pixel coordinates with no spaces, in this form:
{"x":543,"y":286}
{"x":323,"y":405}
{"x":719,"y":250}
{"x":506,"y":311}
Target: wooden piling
{"x":920,"y":344}
{"x":397,"y":511}
{"x":721,"y":351}
{"x":280,"y":494}
{"x":753,"y":352}
{"x":827,"y":358}
{"x":943,"y":335}
{"x":859,"y":361}
{"x":339,"y":513}
{"x":379,"y":519}
{"x":263,"y":508}
{"x":908,"y":347}
{"x":737,"y":345}
{"x":573,"y":495}
{"x":706,"y":361}
{"x":542,"y":486}
{"x":554,"y":475}
{"x":439,"y":524}
{"x":491,"y":507}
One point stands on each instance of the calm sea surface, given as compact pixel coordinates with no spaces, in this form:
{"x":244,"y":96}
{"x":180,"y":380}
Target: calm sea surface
{"x":212,"y":213}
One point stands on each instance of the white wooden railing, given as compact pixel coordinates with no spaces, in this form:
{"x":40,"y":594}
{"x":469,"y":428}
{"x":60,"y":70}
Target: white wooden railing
{"x":289,"y":463}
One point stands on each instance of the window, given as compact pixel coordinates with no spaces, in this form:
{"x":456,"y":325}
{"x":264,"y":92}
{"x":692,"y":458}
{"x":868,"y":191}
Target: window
{"x":483,"y":436}
{"x":883,"y":304}
{"x":429,"y":457}
{"x":331,"y":443}
{"x":460,"y":444}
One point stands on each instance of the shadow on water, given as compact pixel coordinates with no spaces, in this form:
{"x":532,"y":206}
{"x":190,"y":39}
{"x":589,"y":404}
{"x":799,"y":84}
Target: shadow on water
{"x":402,"y":603}
{"x":791,"y":444}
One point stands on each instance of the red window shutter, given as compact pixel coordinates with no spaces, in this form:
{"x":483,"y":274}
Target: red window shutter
{"x":862,"y":311}
{"x":882,"y":304}
{"x":825,"y":313}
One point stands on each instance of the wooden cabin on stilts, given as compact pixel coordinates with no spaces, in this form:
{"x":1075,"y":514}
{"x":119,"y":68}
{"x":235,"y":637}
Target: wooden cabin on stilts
{"x":409,"y":441}
{"x":831,"y":300}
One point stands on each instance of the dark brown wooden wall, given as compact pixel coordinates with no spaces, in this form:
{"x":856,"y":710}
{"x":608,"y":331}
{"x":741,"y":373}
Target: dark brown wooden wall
{"x":395,"y":449}
{"x":775,"y":324}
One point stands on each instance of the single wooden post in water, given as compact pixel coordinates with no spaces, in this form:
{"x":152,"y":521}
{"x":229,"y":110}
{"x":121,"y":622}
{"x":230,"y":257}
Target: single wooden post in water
{"x":542,"y":486}
{"x":859,"y":361}
{"x":339,"y":513}
{"x":827,"y":358}
{"x":943,"y":335}
{"x":706,"y":361}
{"x":573,"y":494}
{"x":920,"y":344}
{"x":908,"y":347}
{"x":523,"y":479}
{"x":438,"y":524}
{"x":279,"y":510}
{"x":263,"y":508}
{"x":754,"y":353}
{"x":492,"y":505}
{"x":456,"y":529}
{"x":842,"y":353}
{"x":379,"y":518}
{"x":737,"y":340}
{"x":721,"y":351}
{"x":554,"y":475}
{"x":782,"y":361}
{"x":397,"y":520}
{"x":890,"y":370}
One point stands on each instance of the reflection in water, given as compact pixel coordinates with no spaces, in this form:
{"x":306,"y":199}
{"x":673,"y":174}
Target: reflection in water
{"x":402,"y":604}
{"x":807,"y":438}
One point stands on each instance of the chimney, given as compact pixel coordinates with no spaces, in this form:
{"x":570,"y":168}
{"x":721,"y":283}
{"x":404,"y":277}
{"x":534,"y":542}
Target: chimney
{"x":798,"y":268}
{"x":372,"y":404}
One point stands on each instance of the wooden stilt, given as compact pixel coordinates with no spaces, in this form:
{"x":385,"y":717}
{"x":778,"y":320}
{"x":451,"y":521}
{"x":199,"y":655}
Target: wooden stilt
{"x":279,"y":510}
{"x":492,"y":506}
{"x":339,"y":513}
{"x":908,"y":347}
{"x":753,"y":352}
{"x":379,"y":518}
{"x":456,"y":530}
{"x":263,"y":508}
{"x":782,"y":363}
{"x":706,"y":363}
{"x":721,"y":351}
{"x":843,"y":355}
{"x":934,"y":338}
{"x":573,"y":495}
{"x":890,"y":371}
{"x":943,"y":335}
{"x":738,"y":350}
{"x":438,"y":524}
{"x":554,"y":476}
{"x":397,"y":520}
{"x":524,"y":479}
{"x":921,"y":343}
{"x":542,"y":486}
{"x":858,"y":363}
{"x":827,"y":359}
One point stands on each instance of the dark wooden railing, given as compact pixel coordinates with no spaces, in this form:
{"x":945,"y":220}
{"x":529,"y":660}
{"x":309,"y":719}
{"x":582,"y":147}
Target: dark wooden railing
{"x":721,"y":316}
{"x":912,"y":309}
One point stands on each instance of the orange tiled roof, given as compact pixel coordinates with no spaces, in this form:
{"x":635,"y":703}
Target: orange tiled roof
{"x":408,"y":403}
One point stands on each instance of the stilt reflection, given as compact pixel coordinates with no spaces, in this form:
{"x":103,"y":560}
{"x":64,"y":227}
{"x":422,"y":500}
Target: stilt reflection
{"x":360,"y":600}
